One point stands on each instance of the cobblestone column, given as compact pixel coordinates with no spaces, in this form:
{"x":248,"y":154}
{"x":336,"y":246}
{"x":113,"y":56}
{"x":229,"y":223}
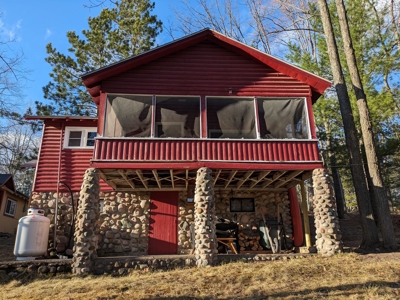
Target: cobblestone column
{"x":85,"y":225}
{"x":328,"y":235}
{"x":204,"y":209}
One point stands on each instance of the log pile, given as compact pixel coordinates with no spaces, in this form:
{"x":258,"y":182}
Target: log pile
{"x":249,"y":241}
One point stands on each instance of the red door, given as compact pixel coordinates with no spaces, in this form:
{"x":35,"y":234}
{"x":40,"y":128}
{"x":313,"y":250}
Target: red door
{"x":163,"y":227}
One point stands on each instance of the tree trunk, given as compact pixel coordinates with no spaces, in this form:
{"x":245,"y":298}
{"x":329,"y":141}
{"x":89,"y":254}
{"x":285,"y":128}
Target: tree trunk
{"x":340,"y":206}
{"x":337,"y":185}
{"x":382,"y":204}
{"x":370,"y":232}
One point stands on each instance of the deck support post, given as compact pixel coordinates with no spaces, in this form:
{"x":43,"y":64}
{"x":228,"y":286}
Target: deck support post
{"x":204,"y":208}
{"x":85,"y":226}
{"x":328,"y":235}
{"x":304,"y":209}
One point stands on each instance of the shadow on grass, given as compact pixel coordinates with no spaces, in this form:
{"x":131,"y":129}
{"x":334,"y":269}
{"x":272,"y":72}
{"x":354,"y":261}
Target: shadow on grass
{"x":360,"y":289}
{"x":323,"y":291}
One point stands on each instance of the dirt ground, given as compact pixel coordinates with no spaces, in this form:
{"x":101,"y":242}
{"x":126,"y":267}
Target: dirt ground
{"x":349,"y":225}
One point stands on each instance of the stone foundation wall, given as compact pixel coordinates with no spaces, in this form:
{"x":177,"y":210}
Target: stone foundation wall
{"x":124,"y":218}
{"x":185,"y":219}
{"x":265,"y":203}
{"x":16,"y":269}
{"x":124,"y":223}
{"x":121,"y":266}
{"x":47,"y":202}
{"x":122,"y":226}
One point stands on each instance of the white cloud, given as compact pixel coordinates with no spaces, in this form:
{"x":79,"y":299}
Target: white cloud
{"x":11,"y":32}
{"x":48,"y":33}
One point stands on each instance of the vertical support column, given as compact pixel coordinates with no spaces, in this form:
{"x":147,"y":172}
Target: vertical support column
{"x":204,"y":219}
{"x":304,"y":208}
{"x":329,"y":238}
{"x":87,"y":215}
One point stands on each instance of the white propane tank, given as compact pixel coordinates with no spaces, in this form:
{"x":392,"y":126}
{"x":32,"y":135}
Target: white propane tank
{"x":32,"y":235}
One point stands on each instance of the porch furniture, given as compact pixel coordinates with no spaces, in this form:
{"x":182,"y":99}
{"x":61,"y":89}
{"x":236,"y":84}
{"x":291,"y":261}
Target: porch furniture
{"x":228,"y":242}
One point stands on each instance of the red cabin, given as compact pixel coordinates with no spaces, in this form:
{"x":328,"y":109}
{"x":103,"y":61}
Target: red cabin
{"x":204,"y":101}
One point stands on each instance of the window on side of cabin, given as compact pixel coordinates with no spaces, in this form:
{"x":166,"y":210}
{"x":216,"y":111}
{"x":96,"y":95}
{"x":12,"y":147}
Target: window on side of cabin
{"x":80,"y":137}
{"x":231,"y":118}
{"x":283,"y":118}
{"x":177,"y":117}
{"x":128,"y":116}
{"x":242,"y":205}
{"x":11,"y":207}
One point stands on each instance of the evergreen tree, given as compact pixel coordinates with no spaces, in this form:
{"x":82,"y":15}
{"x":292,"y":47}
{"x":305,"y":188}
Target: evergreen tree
{"x":117,"y":33}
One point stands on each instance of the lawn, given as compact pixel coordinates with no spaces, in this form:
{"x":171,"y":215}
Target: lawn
{"x":344,"y":276}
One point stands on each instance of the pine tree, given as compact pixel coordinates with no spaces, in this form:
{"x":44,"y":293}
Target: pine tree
{"x":117,"y":33}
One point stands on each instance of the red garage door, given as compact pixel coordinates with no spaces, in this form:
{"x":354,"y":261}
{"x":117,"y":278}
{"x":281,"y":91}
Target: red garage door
{"x":163,"y":228}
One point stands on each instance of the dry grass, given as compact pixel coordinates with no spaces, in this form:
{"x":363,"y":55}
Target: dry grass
{"x":6,"y":249}
{"x":347,"y":276}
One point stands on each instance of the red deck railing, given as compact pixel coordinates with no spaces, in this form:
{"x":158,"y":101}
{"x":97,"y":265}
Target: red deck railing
{"x":179,"y":150}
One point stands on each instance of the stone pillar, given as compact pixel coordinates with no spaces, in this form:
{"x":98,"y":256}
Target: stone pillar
{"x":85,"y":225}
{"x":204,"y":218}
{"x":328,"y":235}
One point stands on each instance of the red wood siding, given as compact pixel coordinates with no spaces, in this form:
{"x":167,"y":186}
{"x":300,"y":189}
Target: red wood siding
{"x":74,"y":162}
{"x":206,"y":69}
{"x":163,"y":227}
{"x":150,"y":150}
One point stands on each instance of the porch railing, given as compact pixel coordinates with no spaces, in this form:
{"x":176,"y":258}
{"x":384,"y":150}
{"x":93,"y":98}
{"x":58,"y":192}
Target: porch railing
{"x":176,"y":150}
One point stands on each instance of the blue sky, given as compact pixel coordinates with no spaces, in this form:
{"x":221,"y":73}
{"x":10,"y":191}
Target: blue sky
{"x":34,"y":23}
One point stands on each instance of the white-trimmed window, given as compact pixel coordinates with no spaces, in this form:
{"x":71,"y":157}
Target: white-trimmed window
{"x":80,"y":137}
{"x":11,"y":206}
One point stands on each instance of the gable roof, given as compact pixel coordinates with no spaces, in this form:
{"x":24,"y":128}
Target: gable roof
{"x":4,"y":178}
{"x":93,"y":79}
{"x":7,"y":183}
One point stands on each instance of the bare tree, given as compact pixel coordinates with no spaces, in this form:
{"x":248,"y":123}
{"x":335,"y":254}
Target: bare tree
{"x":370,"y":232}
{"x":384,"y":220}
{"x":12,"y":76}
{"x":223,"y":16}
{"x":264,"y":24}
{"x":19,"y":144}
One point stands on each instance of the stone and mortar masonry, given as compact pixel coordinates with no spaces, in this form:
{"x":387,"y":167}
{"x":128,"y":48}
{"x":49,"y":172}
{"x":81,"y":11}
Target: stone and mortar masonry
{"x":86,"y":224}
{"x":328,"y":235}
{"x":120,"y":266}
{"x":185,"y":220}
{"x":123,"y":223}
{"x":204,"y":219}
{"x":17,"y":269}
{"x":124,"y":218}
{"x":47,"y":202}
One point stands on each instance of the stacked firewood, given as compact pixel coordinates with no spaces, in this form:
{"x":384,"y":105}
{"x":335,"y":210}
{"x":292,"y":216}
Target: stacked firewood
{"x":250,"y":242}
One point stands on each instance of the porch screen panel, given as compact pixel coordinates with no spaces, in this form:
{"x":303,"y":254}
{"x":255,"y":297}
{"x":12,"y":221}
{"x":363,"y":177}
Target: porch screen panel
{"x":283,"y":118}
{"x":177,"y":117}
{"x":231,"y":118}
{"x":128,"y":116}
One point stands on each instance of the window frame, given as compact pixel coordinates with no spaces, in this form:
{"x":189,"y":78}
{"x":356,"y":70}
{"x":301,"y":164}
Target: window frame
{"x":231,"y":209}
{"x":153,"y":134}
{"x":15,"y":207}
{"x":84,"y":139}
{"x":306,"y":112}
{"x":203,"y":114}
{"x":256,"y":125}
